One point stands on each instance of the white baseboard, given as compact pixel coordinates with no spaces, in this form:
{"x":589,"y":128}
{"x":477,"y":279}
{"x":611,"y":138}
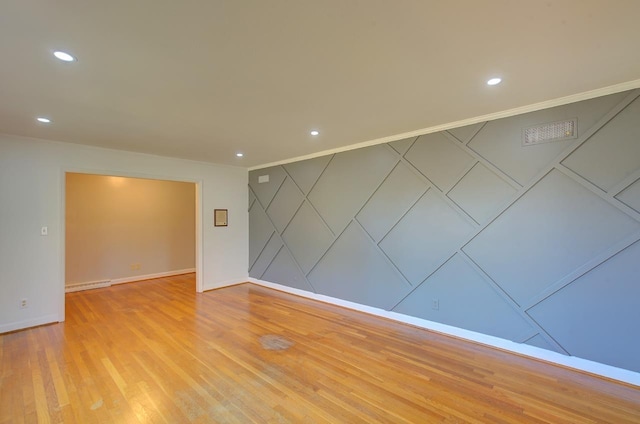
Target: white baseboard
{"x":226,"y":283}
{"x":33,"y":322}
{"x":70,"y":288}
{"x":573,"y":362}
{"x":106,"y":283}
{"x":152,"y":276}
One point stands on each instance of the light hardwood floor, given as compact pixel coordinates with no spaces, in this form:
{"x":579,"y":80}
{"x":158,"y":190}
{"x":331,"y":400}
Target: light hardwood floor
{"x":155,"y":351}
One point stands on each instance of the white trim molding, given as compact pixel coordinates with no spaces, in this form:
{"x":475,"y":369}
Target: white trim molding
{"x":34,"y":322}
{"x":152,"y":276}
{"x":74,"y":287}
{"x":592,"y":94}
{"x":227,"y":283}
{"x":573,"y":362}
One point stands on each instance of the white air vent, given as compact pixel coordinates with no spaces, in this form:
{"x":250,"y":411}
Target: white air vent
{"x":263,"y":179}
{"x":545,"y":133}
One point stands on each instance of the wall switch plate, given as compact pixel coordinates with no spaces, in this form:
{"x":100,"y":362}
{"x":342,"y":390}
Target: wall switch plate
{"x":44,"y":231}
{"x":263,"y":179}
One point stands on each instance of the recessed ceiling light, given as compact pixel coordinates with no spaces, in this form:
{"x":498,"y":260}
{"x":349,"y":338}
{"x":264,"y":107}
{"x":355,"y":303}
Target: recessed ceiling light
{"x":494,"y":81}
{"x":239,"y":154}
{"x":314,"y":132}
{"x":64,"y":56}
{"x":43,"y":120}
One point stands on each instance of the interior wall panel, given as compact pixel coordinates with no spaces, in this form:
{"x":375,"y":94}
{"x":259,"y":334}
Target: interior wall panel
{"x":541,"y":342}
{"x":631,"y":196}
{"x":401,"y":146}
{"x":284,"y":204}
{"x":391,"y":201}
{"x":266,"y":192}
{"x":267,"y":255}
{"x":425,"y":237}
{"x":307,"y":236}
{"x":615,"y":149}
{"x":345,"y":186}
{"x":353,"y":269}
{"x":464,"y":299}
{"x":305,"y":173}
{"x":500,"y":141}
{"x":439,"y":159}
{"x":471,"y":228}
{"x":466,"y":133}
{"x":601,"y":306}
{"x":283,"y":268}
{"x":481,"y":193}
{"x":556,"y":227}
{"x":260,"y":229}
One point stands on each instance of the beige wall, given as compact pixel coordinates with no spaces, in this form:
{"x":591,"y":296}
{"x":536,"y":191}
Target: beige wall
{"x":119,"y":227}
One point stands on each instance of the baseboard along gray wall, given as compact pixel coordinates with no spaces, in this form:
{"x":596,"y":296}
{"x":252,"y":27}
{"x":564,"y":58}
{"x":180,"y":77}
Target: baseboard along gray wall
{"x":472,"y":227}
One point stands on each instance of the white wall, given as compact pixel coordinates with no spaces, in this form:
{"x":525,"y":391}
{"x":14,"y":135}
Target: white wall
{"x":32,"y":174}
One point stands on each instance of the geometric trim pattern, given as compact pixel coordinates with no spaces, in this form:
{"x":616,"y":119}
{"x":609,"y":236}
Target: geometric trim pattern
{"x":439,"y":225}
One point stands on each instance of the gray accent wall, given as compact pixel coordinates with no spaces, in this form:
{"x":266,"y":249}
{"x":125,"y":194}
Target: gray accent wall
{"x":537,"y":244}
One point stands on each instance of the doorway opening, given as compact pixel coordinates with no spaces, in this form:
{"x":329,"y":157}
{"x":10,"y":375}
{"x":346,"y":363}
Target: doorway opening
{"x":121,"y":229}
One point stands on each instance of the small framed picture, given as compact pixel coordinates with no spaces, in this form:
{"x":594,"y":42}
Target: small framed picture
{"x":220,"y":217}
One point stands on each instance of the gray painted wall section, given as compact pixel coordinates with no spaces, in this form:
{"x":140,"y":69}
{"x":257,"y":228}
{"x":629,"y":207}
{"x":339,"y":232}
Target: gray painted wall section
{"x":467,"y":227}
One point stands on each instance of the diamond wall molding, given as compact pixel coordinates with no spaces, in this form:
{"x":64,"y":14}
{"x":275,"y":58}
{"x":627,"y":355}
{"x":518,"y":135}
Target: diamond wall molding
{"x":391,"y":183}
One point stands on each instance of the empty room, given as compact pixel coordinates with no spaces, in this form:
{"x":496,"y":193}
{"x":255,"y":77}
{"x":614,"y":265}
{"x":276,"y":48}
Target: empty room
{"x":337,"y":212}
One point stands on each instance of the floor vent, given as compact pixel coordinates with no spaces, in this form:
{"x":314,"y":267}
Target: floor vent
{"x":546,"y":133}
{"x":87,"y":286}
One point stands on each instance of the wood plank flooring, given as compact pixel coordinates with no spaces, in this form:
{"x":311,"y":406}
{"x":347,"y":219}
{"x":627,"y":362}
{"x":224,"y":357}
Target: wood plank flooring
{"x":155,"y":351}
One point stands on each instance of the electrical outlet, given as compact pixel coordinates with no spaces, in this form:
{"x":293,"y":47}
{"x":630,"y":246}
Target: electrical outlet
{"x":23,"y":303}
{"x":435,"y":304}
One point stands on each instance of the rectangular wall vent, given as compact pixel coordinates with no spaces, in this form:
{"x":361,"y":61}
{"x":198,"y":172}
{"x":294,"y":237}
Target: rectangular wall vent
{"x":546,"y":133}
{"x":69,"y":288}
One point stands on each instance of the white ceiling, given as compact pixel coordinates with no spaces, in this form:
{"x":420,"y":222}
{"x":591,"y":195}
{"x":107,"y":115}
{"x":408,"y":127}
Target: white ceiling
{"x":203,"y":79}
